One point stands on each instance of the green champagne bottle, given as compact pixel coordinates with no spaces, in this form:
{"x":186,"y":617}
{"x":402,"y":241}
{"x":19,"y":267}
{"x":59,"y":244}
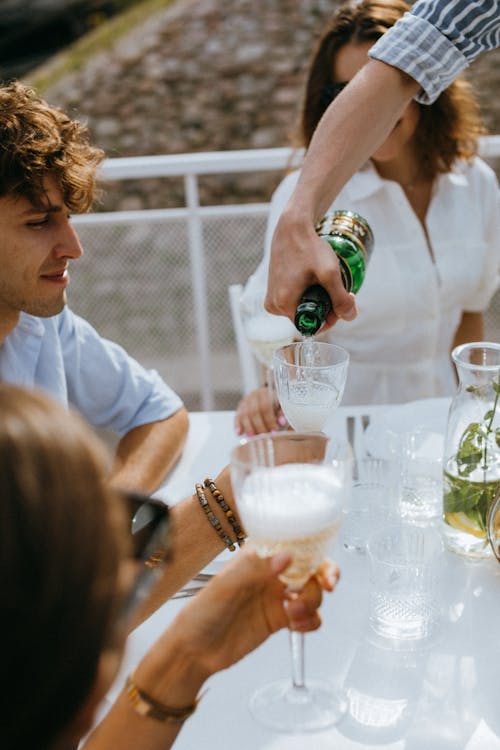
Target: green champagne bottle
{"x":349,"y":235}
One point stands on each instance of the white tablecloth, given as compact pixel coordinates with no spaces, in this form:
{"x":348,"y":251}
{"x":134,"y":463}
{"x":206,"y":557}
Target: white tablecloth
{"x":444,"y":697}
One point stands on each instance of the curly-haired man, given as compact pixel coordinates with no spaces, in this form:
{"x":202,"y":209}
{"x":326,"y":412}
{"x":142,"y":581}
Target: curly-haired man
{"x":48,"y":169}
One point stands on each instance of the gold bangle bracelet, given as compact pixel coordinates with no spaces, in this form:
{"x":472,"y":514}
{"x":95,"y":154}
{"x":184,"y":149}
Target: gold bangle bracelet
{"x":145,"y":705}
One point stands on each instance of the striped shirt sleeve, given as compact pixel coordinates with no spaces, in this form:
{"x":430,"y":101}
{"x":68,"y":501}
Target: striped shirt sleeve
{"x":437,"y":39}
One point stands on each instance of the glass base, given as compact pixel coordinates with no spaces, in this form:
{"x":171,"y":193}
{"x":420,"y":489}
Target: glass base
{"x":280,"y":706}
{"x":467,"y":545}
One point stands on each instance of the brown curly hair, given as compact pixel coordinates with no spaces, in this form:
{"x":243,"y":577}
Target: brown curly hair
{"x":38,"y":140}
{"x":448,"y":129}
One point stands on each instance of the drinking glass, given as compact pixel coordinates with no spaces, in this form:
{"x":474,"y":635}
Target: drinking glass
{"x":310,"y":378}
{"x":375,"y":489}
{"x":421,"y":457}
{"x":292,"y":489}
{"x":263,"y":331}
{"x":405,"y":571}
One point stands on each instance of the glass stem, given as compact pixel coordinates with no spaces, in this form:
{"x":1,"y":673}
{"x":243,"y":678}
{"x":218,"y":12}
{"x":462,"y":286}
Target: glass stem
{"x":297,"y":654}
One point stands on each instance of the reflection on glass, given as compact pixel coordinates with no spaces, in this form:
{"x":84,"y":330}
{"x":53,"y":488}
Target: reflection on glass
{"x":382,"y":688}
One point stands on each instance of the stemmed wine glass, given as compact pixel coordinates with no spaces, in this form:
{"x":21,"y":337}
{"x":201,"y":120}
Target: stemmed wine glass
{"x":292,"y":490}
{"x":310,"y":378}
{"x":263,"y":331}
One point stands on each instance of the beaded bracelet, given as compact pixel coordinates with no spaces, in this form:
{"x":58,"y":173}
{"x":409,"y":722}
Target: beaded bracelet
{"x":145,"y":705}
{"x":219,"y":497}
{"x":213,"y":518}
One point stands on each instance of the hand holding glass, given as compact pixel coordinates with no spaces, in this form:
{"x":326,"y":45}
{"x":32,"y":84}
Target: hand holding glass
{"x":291,"y":490}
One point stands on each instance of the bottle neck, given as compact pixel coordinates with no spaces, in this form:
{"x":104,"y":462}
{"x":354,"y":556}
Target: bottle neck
{"x":311,"y":313}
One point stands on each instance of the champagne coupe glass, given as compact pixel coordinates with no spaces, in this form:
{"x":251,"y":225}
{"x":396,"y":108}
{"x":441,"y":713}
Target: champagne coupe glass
{"x":310,"y":378}
{"x":264,"y":332}
{"x":292,"y":490}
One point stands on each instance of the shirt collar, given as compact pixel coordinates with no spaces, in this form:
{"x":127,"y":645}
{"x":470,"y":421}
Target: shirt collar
{"x":366,"y":181}
{"x":456,"y":177}
{"x":31,"y":324}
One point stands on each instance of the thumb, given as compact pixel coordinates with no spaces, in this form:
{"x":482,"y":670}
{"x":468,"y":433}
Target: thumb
{"x":249,"y":569}
{"x":279,"y":563}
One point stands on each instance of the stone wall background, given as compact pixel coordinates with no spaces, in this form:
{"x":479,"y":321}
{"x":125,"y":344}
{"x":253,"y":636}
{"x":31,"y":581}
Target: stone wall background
{"x":209,"y":75}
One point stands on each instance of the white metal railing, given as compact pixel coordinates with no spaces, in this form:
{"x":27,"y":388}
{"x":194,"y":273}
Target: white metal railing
{"x":190,"y":167}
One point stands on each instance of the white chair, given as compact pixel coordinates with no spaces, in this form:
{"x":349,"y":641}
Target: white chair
{"x":248,"y":364}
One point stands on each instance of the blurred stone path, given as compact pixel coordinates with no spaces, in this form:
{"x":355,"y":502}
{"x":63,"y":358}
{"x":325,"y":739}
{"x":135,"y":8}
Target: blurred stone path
{"x":208,"y":75}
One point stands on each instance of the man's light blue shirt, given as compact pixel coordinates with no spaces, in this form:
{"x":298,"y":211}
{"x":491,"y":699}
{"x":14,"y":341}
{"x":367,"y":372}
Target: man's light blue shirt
{"x":64,"y":356}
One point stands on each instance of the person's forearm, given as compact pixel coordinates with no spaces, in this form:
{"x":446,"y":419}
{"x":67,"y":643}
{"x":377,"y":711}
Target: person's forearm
{"x":145,"y":455}
{"x":232,"y":616}
{"x":124,"y":729}
{"x":172,"y":677}
{"x":351,"y":129}
{"x":196,"y":543}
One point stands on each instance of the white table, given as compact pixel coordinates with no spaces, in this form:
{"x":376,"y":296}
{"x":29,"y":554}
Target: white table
{"x":445,"y":697}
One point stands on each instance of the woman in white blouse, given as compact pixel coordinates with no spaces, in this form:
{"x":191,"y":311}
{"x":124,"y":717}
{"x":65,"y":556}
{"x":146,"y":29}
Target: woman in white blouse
{"x":433,"y":206}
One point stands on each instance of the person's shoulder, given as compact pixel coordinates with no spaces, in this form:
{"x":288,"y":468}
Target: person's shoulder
{"x":472,"y":178}
{"x":477,"y":169}
{"x":485,"y":169}
{"x":474,"y":185}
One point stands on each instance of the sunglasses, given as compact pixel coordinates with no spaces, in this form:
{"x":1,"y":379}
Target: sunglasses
{"x":330,"y":91}
{"x":150,"y":527}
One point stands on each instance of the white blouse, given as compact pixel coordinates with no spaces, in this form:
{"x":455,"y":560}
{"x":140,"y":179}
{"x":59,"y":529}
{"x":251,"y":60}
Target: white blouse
{"x":410,"y":304}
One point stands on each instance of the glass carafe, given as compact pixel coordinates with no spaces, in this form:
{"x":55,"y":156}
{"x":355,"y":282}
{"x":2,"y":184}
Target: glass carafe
{"x":472,"y":449}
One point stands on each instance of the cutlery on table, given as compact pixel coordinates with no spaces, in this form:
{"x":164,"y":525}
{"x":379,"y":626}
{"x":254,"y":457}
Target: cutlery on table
{"x":189,"y":589}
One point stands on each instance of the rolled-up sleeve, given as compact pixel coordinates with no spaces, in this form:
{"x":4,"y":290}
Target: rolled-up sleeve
{"x":110,"y":388}
{"x":438,"y":39}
